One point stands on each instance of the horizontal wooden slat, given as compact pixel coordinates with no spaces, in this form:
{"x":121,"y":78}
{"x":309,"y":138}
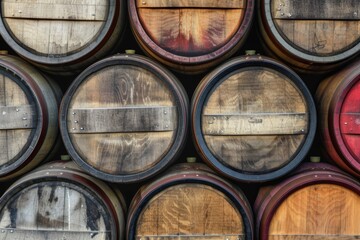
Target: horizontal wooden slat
{"x":130,"y":119}
{"x":54,"y":10}
{"x":38,"y":234}
{"x":313,"y":237}
{"x":192,"y":237}
{"x":255,"y":124}
{"x":17,"y":117}
{"x":350,"y":123}
{"x":191,"y":3}
{"x":316,"y":9}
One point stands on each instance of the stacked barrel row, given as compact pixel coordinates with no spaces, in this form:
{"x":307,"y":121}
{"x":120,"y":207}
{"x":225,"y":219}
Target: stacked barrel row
{"x":126,"y":119}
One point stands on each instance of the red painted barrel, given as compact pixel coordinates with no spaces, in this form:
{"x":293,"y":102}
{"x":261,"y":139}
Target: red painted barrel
{"x":316,"y":202}
{"x":311,"y":35}
{"x":339,"y":117}
{"x":59,"y":201}
{"x":189,"y":201}
{"x":191,"y":36}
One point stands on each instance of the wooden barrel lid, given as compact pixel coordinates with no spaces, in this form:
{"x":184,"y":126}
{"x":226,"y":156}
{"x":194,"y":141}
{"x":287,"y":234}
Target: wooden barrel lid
{"x":312,"y":32}
{"x":311,"y":205}
{"x":185,"y":203}
{"x":124,"y":118}
{"x":28,"y":116}
{"x":65,"y":204}
{"x":190,"y":35}
{"x":60,"y":32}
{"x":253,"y":118}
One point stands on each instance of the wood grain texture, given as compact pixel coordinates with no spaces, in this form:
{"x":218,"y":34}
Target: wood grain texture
{"x":189,"y":31}
{"x":16,"y":117}
{"x":57,"y":210}
{"x":12,"y":141}
{"x":190,"y":211}
{"x":320,"y":37}
{"x":123,"y":86}
{"x":316,"y":9}
{"x":190,"y":3}
{"x":320,"y":211}
{"x":255,"y":92}
{"x":54,"y":27}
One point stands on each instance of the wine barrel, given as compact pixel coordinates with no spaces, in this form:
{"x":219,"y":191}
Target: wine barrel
{"x":312,"y":35}
{"x":58,"y":201}
{"x":62,"y":36}
{"x":339,"y":117}
{"x":124,"y":119}
{"x":253,"y":119}
{"x":190,"y":202}
{"x":319,"y":202}
{"x":29,"y":116}
{"x":190,"y":36}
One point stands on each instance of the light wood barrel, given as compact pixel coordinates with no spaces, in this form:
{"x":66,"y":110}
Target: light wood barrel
{"x":191,"y":36}
{"x":339,"y":117}
{"x":58,"y":201}
{"x":28,"y":116}
{"x":316,"y":203}
{"x":124,"y":118}
{"x":313,"y":35}
{"x":62,"y":36}
{"x":253,"y":119}
{"x":189,"y":202}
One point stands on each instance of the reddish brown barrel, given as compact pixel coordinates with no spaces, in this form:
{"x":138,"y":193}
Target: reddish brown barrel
{"x":60,"y":35}
{"x":253,"y":119}
{"x":318,"y":202}
{"x":339,"y":117}
{"x":312,"y":35}
{"x":191,"y":36}
{"x":58,"y":201}
{"x":190,"y":202}
{"x":124,"y":119}
{"x":28,"y":119}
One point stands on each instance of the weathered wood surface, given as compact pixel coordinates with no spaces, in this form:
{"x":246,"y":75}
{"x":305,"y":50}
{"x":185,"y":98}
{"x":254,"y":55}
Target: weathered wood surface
{"x":129,"y":119}
{"x":190,"y":211}
{"x":123,"y":86}
{"x":17,"y":117}
{"x":320,"y":211}
{"x":190,"y":3}
{"x":316,"y":9}
{"x":254,"y":92}
{"x":255,"y":124}
{"x":188,"y":31}
{"x":54,"y":27}
{"x":53,"y":211}
{"x":12,"y":141}
{"x":194,"y":237}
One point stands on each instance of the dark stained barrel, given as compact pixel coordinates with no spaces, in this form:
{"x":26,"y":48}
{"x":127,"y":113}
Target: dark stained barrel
{"x":253,"y":119}
{"x":58,"y":201}
{"x":191,"y":36}
{"x":62,"y":36}
{"x":312,"y":35}
{"x":124,"y":119}
{"x":190,"y":202}
{"x":28,"y":116}
{"x":339,"y":117}
{"x":317,"y":202}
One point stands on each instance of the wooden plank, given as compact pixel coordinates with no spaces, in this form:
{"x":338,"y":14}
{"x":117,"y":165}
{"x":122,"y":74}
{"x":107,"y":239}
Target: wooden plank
{"x":54,"y":10}
{"x":316,"y":9}
{"x":17,"y":117}
{"x":313,"y":237}
{"x":190,"y":3}
{"x":130,"y":119}
{"x":51,"y":234}
{"x":322,"y":210}
{"x":350,"y":123}
{"x":193,"y":237}
{"x":255,"y":124}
